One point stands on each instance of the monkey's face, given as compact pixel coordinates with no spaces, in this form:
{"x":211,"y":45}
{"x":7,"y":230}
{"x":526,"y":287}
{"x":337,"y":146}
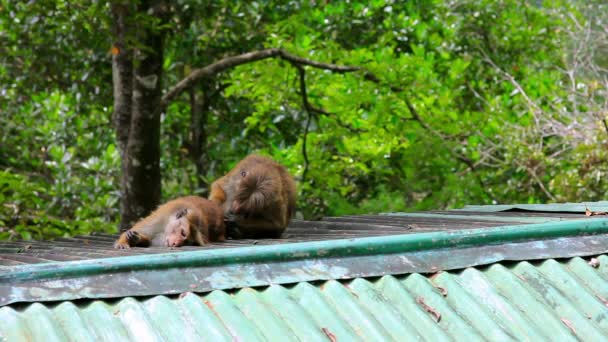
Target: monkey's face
{"x":241,"y":186}
{"x":238,"y":179}
{"x":177,"y":232}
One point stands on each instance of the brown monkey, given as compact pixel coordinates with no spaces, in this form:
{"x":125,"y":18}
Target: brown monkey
{"x":183,"y":220}
{"x":258,"y":196}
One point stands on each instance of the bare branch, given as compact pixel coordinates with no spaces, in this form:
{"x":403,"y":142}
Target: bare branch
{"x":213,"y":69}
{"x":307,"y":107}
{"x":514,"y":82}
{"x":233,"y":61}
{"x":532,"y":172}
{"x":326,"y":66}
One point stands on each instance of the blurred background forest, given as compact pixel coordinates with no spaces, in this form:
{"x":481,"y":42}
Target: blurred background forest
{"x":456,"y":102}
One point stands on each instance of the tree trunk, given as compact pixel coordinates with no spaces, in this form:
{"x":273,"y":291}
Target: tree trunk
{"x":199,"y":111}
{"x":122,"y":81}
{"x":141,"y":177}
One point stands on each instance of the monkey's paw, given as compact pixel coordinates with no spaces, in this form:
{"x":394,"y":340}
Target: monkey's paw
{"x":232,"y":218}
{"x":121,"y":245}
{"x":132,"y":237}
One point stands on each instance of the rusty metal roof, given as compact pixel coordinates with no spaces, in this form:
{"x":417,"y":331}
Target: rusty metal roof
{"x":565,"y":300}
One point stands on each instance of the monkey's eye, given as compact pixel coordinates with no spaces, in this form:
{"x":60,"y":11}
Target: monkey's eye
{"x":183,"y":233}
{"x":243,"y":173}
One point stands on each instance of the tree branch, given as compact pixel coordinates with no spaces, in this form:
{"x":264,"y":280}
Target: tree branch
{"x":213,"y":69}
{"x":309,"y":110}
{"x":299,"y":63}
{"x":233,"y":61}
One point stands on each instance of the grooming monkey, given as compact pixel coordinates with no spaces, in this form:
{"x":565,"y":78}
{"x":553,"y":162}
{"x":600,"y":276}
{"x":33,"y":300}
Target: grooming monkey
{"x":258,"y":198}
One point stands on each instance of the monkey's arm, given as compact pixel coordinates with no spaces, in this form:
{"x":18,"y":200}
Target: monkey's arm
{"x":217,"y":195}
{"x":198,"y":226}
{"x":200,"y":238}
{"x":262,"y":223}
{"x":268,"y":225}
{"x":132,"y":238}
{"x":144,"y":231}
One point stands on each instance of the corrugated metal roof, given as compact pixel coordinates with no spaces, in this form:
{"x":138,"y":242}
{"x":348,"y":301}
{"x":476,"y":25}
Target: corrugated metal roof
{"x":330,"y":228}
{"x":222,"y":269}
{"x":550,"y":300}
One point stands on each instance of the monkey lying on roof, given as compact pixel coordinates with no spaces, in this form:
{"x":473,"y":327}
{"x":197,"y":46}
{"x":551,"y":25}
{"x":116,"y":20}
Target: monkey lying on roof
{"x":190,"y":219}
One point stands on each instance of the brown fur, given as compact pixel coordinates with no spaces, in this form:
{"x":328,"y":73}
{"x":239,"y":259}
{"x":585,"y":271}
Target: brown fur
{"x":183,"y":220}
{"x":258,"y":195}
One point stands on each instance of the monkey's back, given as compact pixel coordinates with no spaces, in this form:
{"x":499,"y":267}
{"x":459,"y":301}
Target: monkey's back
{"x":285,"y":185}
{"x":257,"y":196}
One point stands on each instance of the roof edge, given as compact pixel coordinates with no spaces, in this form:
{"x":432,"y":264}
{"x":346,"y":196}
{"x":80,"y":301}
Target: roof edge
{"x":319,"y":249}
{"x":550,"y":207}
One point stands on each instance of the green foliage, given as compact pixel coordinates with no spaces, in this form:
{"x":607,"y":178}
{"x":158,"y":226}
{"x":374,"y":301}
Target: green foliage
{"x":371,"y":144}
{"x":474,"y":136}
{"x":25,"y":211}
{"x":70,"y":170}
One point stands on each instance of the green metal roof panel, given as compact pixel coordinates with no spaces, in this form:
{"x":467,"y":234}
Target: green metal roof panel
{"x":554,"y":207}
{"x":478,"y":217}
{"x":223,"y":269}
{"x":551,"y":300}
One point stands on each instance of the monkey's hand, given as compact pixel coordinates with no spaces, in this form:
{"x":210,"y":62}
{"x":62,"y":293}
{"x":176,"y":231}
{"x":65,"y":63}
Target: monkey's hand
{"x":232,"y":229}
{"x":122,"y":242}
{"x":121,"y":245}
{"x":129,"y":239}
{"x":133,"y":237}
{"x":231,"y":218}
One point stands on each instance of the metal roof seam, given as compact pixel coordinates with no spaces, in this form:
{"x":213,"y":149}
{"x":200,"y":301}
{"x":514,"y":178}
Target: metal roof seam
{"x":204,"y":321}
{"x":590,"y":277}
{"x":511,"y":286}
{"x":405,"y":303}
{"x":325,"y":316}
{"x":563,"y":308}
{"x":239,"y":325}
{"x":584,"y":302}
{"x":382,"y":310}
{"x":269,"y":324}
{"x":299,"y":320}
{"x":557,"y":290}
{"x":426,"y":295}
{"x":350,"y":308}
{"x":477,"y":284}
{"x":464,"y":303}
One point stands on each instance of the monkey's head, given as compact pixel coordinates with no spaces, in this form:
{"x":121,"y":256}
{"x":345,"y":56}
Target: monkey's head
{"x":177,"y":231}
{"x":255,"y":190}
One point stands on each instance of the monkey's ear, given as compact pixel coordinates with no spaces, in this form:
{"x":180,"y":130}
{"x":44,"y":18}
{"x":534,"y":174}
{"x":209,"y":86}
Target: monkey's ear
{"x":243,"y":173}
{"x":181,"y":213}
